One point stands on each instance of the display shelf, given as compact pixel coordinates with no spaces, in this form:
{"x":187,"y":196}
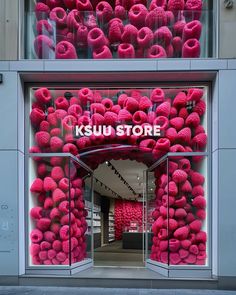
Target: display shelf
{"x":96,"y":217}
{"x":111,"y":227}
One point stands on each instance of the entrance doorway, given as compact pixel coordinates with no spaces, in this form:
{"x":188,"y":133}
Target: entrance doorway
{"x":118,"y":224}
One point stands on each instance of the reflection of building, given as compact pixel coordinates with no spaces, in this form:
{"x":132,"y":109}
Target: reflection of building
{"x":136,"y":78}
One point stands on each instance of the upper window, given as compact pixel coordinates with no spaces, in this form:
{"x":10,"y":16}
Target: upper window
{"x":93,"y":29}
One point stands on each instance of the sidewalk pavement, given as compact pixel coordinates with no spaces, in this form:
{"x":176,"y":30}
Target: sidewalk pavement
{"x":103,"y":291}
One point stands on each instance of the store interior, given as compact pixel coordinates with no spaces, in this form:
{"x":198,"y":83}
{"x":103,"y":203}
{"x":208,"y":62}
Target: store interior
{"x":118,"y":214}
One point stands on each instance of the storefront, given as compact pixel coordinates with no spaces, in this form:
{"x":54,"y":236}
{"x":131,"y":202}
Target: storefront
{"x":119,"y":153}
{"x":181,"y":114}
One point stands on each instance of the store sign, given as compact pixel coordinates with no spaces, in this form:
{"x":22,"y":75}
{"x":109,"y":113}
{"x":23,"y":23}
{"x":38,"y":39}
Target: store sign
{"x":120,"y":130}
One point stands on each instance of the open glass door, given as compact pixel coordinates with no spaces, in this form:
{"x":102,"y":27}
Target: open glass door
{"x":177,"y":197}
{"x":89,"y":207}
{"x":59,"y":235}
{"x":152,"y":200}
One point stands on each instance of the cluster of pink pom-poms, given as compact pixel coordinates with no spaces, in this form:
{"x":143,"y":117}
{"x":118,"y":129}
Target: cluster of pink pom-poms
{"x":127,"y":212}
{"x":179,"y":118}
{"x":72,"y":29}
{"x":179,"y":217}
{"x":58,"y":216}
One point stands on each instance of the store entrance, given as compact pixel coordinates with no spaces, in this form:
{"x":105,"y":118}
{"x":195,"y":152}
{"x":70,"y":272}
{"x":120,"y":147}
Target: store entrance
{"x":118,"y":224}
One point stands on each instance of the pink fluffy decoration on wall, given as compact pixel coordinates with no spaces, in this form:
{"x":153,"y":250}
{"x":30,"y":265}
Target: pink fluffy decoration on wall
{"x":125,"y":213}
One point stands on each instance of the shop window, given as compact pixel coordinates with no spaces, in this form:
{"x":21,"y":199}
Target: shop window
{"x":58,"y":232}
{"x":177,"y":211}
{"x":177,"y":192}
{"x":119,"y":29}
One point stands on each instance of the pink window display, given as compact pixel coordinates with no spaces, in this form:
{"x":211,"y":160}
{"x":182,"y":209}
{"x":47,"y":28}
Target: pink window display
{"x":116,"y":29}
{"x":178,"y":207}
{"x":178,"y":211}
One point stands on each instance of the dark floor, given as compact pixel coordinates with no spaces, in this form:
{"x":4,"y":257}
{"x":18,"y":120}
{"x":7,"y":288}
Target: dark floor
{"x":102,"y":291}
{"x":116,"y":247}
{"x":138,"y":273}
{"x":114,"y":255}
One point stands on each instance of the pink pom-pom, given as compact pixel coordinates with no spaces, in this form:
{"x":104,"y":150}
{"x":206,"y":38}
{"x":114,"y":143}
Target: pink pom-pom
{"x":43,"y":224}
{"x":130,"y":34}
{"x":41,"y":11}
{"x":96,"y":38}
{"x":115,"y":31}
{"x":59,"y":16}
{"x":156,"y":18}
{"x":177,"y":45}
{"x":37,"y":186}
{"x":191,"y":49}
{"x":193,"y":8}
{"x":43,"y":27}
{"x":120,"y":12}
{"x":156,"y":51}
{"x":82,"y":36}
{"x":74,"y":20}
{"x":137,"y":15}
{"x":36,"y":212}
{"x":163,"y":36}
{"x":178,"y":28}
{"x":192,"y":30}
{"x":44,"y":47}
{"x":163,"y":109}
{"x":126,"y":50}
{"x":65,"y":50}
{"x":145,"y":37}
{"x":36,"y":236}
{"x":179,"y":176}
{"x":199,"y":202}
{"x":181,"y":233}
{"x":104,"y":11}
{"x":157,"y":3}
{"x":193,"y":120}
{"x":176,"y":5}
{"x":84,"y":5}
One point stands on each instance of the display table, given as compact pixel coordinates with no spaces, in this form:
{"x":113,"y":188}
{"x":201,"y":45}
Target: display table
{"x":133,"y":240}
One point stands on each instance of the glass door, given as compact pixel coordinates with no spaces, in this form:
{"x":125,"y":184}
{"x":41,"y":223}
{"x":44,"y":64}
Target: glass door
{"x":152,"y":176}
{"x":59,"y":233}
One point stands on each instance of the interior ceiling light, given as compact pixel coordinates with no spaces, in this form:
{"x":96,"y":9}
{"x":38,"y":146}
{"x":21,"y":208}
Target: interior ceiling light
{"x":108,"y":188}
{"x":120,"y":177}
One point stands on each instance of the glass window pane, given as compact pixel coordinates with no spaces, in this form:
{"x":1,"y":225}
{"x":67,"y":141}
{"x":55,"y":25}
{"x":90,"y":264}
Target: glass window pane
{"x":57,"y":215}
{"x":178,"y":208}
{"x":105,"y":31}
{"x":63,"y":118}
